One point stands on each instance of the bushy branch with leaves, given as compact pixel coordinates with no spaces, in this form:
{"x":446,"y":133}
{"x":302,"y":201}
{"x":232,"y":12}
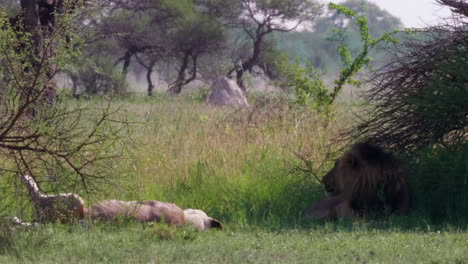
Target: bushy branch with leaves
{"x":68,"y":144}
{"x":309,"y":89}
{"x":419,"y":99}
{"x":353,"y":65}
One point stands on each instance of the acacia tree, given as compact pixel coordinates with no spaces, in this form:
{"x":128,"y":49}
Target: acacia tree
{"x":162,"y":31}
{"x":261,"y":18}
{"x":38,"y":18}
{"x":193,"y":36}
{"x":139,"y":29}
{"x":66,"y":144}
{"x":419,"y":98}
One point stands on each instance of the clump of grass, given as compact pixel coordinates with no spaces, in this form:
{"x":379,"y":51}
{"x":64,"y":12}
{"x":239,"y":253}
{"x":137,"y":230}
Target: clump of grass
{"x":6,"y":235}
{"x":162,"y":232}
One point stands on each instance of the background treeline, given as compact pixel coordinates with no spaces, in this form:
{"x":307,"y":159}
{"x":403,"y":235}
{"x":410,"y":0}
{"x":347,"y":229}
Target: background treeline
{"x":180,"y":41}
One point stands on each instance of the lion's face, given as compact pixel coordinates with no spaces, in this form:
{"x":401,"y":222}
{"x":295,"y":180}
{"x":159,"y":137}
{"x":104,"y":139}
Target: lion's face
{"x":341,"y":177}
{"x":329,"y":182}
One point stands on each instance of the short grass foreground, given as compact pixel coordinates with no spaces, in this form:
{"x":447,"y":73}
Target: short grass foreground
{"x":134,"y":243}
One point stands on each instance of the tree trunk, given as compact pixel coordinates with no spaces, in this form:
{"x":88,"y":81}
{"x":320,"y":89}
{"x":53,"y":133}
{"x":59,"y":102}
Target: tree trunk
{"x":148,"y":77}
{"x":181,"y":78}
{"x":30,"y":19}
{"x":39,"y":21}
{"x":239,"y":78}
{"x":74,"y":80}
{"x":250,"y":63}
{"x":127,"y":59}
{"x":177,"y":87}
{"x":31,"y":24}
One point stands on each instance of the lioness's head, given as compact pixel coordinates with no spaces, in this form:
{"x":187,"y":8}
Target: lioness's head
{"x":200,"y":220}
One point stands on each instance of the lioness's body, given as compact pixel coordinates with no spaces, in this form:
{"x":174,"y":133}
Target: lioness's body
{"x":156,"y":212}
{"x":152,"y":211}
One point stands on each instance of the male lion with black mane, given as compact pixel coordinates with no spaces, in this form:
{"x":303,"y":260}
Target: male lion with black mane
{"x":364,"y":180}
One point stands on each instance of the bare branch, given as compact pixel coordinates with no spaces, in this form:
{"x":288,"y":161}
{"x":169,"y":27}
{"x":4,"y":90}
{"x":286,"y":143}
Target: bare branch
{"x":457,"y":6}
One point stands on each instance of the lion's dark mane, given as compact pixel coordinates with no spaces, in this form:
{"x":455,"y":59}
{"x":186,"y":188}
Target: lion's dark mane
{"x":369,"y":178}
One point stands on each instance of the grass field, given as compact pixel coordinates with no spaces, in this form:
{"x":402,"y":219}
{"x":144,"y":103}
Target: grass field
{"x":135,"y":243}
{"x":241,"y":167}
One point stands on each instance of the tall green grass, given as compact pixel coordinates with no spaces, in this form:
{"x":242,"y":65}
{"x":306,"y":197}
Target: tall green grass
{"x":439,"y":180}
{"x":238,"y":165}
{"x":242,"y":166}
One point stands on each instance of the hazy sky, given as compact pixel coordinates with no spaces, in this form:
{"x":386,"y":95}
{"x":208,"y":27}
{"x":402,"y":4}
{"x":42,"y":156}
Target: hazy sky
{"x":414,"y":13}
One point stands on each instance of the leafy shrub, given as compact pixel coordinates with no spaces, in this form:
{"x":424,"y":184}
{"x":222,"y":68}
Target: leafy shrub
{"x":310,"y":89}
{"x":439,"y":180}
{"x":419,"y":98}
{"x":62,"y":144}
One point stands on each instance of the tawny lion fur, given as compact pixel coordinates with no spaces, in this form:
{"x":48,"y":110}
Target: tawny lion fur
{"x":360,"y":176}
{"x":328,"y":209}
{"x":156,"y":212}
{"x":62,"y":207}
{"x":200,"y":220}
{"x":152,"y":211}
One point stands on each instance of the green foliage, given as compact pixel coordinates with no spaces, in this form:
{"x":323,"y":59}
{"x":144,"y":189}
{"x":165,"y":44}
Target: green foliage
{"x":354,"y":65}
{"x":97,"y":75}
{"x":419,"y":98}
{"x":255,"y":197}
{"x":270,"y":56}
{"x":309,"y":88}
{"x":196,"y":32}
{"x":380,"y":21}
{"x":10,"y":7}
{"x":439,"y":180}
{"x":441,"y":105}
{"x":68,"y":145}
{"x":315,"y":46}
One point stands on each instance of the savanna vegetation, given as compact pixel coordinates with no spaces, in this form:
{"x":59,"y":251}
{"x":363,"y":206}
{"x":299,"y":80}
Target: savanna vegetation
{"x":253,"y":168}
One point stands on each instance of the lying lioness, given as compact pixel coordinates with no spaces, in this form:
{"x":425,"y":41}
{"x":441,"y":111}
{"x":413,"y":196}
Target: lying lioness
{"x":152,"y":211}
{"x":156,"y":212}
